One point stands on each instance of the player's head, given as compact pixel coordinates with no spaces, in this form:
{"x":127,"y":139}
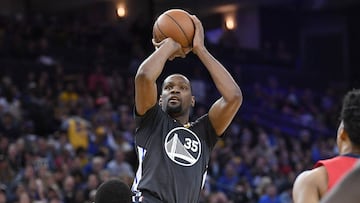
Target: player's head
{"x":349,"y":127}
{"x":176,"y":96}
{"x":113,"y":191}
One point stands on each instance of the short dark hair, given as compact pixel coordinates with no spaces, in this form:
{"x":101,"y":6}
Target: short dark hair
{"x":350,"y":115}
{"x":176,"y":74}
{"x":113,"y":191}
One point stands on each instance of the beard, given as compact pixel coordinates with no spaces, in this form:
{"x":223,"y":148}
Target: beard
{"x":171,"y":110}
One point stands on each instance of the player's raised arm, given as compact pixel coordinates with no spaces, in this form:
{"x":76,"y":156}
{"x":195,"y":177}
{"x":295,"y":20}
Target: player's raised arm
{"x":149,"y":71}
{"x":225,"y":108}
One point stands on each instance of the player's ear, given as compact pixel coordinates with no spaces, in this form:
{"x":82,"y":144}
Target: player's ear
{"x":193,"y":101}
{"x":343,"y":134}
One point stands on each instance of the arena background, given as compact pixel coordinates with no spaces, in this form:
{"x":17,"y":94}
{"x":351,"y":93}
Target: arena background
{"x":67,"y":69}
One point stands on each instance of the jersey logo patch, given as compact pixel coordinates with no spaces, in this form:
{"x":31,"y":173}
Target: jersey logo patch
{"x":183,"y":146}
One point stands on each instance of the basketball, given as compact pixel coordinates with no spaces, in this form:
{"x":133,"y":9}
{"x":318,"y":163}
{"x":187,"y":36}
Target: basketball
{"x":176,"y":24}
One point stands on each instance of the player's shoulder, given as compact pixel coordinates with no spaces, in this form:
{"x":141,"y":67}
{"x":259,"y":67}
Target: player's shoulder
{"x":316,"y":179}
{"x":312,"y":176}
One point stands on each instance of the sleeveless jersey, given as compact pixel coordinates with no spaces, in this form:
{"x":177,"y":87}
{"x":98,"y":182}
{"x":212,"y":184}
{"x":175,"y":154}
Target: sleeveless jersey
{"x":337,"y":167}
{"x":173,"y":159}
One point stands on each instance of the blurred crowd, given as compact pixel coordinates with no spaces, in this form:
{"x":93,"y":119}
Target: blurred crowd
{"x":66,"y":118}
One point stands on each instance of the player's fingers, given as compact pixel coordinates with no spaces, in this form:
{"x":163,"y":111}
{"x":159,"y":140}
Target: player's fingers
{"x":187,"y":50}
{"x":196,"y":21}
{"x":183,"y":53}
{"x":156,"y":44}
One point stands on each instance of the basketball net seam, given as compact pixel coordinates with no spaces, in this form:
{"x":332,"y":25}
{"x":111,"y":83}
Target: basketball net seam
{"x":186,"y":37}
{"x":158,"y":27}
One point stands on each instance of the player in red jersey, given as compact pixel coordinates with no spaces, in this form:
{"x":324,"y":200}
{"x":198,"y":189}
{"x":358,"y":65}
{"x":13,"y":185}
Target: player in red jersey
{"x":310,"y":186}
{"x":347,"y":189}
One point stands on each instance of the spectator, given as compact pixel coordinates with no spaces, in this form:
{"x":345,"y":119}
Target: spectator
{"x":69,"y":96}
{"x":118,"y":166}
{"x":227,"y":182}
{"x":77,"y":131}
{"x":270,"y":195}
{"x":97,"y":82}
{"x":218,"y":197}
{"x":68,"y":189}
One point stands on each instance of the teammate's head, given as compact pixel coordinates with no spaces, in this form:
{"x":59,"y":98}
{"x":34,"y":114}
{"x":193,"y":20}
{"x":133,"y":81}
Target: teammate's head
{"x":176,"y":96}
{"x":350,"y":118}
{"x":113,"y":191}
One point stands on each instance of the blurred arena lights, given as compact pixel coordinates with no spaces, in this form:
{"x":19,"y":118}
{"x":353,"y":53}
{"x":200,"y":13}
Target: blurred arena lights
{"x":230,"y":21}
{"x":121,"y":10}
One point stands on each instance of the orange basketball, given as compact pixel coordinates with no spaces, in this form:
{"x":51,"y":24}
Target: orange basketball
{"x":176,"y":24}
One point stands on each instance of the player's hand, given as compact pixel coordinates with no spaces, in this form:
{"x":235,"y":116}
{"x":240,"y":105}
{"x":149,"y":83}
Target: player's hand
{"x":176,"y":49}
{"x":198,"y":41}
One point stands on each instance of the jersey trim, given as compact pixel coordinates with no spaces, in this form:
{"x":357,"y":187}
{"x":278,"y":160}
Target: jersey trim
{"x":141,"y":156}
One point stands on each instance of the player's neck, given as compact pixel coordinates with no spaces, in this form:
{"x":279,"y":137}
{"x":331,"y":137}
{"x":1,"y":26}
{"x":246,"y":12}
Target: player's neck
{"x":355,"y":150}
{"x":350,"y":149}
{"x":182,"y":120}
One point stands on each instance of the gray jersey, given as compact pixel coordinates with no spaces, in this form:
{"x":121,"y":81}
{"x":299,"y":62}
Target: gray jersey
{"x":173,"y":159}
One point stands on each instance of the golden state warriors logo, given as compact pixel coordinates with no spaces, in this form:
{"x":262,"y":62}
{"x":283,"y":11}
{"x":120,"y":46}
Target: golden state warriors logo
{"x":183,"y":146}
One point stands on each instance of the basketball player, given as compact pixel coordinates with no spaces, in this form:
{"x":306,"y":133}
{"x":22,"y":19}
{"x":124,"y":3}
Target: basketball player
{"x":346,"y":191}
{"x":113,"y":191}
{"x":310,"y":186}
{"x":173,"y":152}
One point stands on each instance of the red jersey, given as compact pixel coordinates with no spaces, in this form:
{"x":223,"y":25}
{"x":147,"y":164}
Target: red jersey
{"x":337,"y":167}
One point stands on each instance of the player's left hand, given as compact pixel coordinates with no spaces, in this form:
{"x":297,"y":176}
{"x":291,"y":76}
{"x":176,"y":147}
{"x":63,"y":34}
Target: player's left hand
{"x":198,"y":41}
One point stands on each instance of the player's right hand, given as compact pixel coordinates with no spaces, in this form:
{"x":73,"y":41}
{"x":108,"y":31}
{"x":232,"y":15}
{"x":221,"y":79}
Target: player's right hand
{"x":177,"y":50}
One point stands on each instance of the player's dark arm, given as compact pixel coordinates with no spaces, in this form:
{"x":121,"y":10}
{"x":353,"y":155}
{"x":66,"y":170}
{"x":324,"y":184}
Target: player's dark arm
{"x":148,"y":72}
{"x":224,"y":109}
{"x":347,"y":189}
